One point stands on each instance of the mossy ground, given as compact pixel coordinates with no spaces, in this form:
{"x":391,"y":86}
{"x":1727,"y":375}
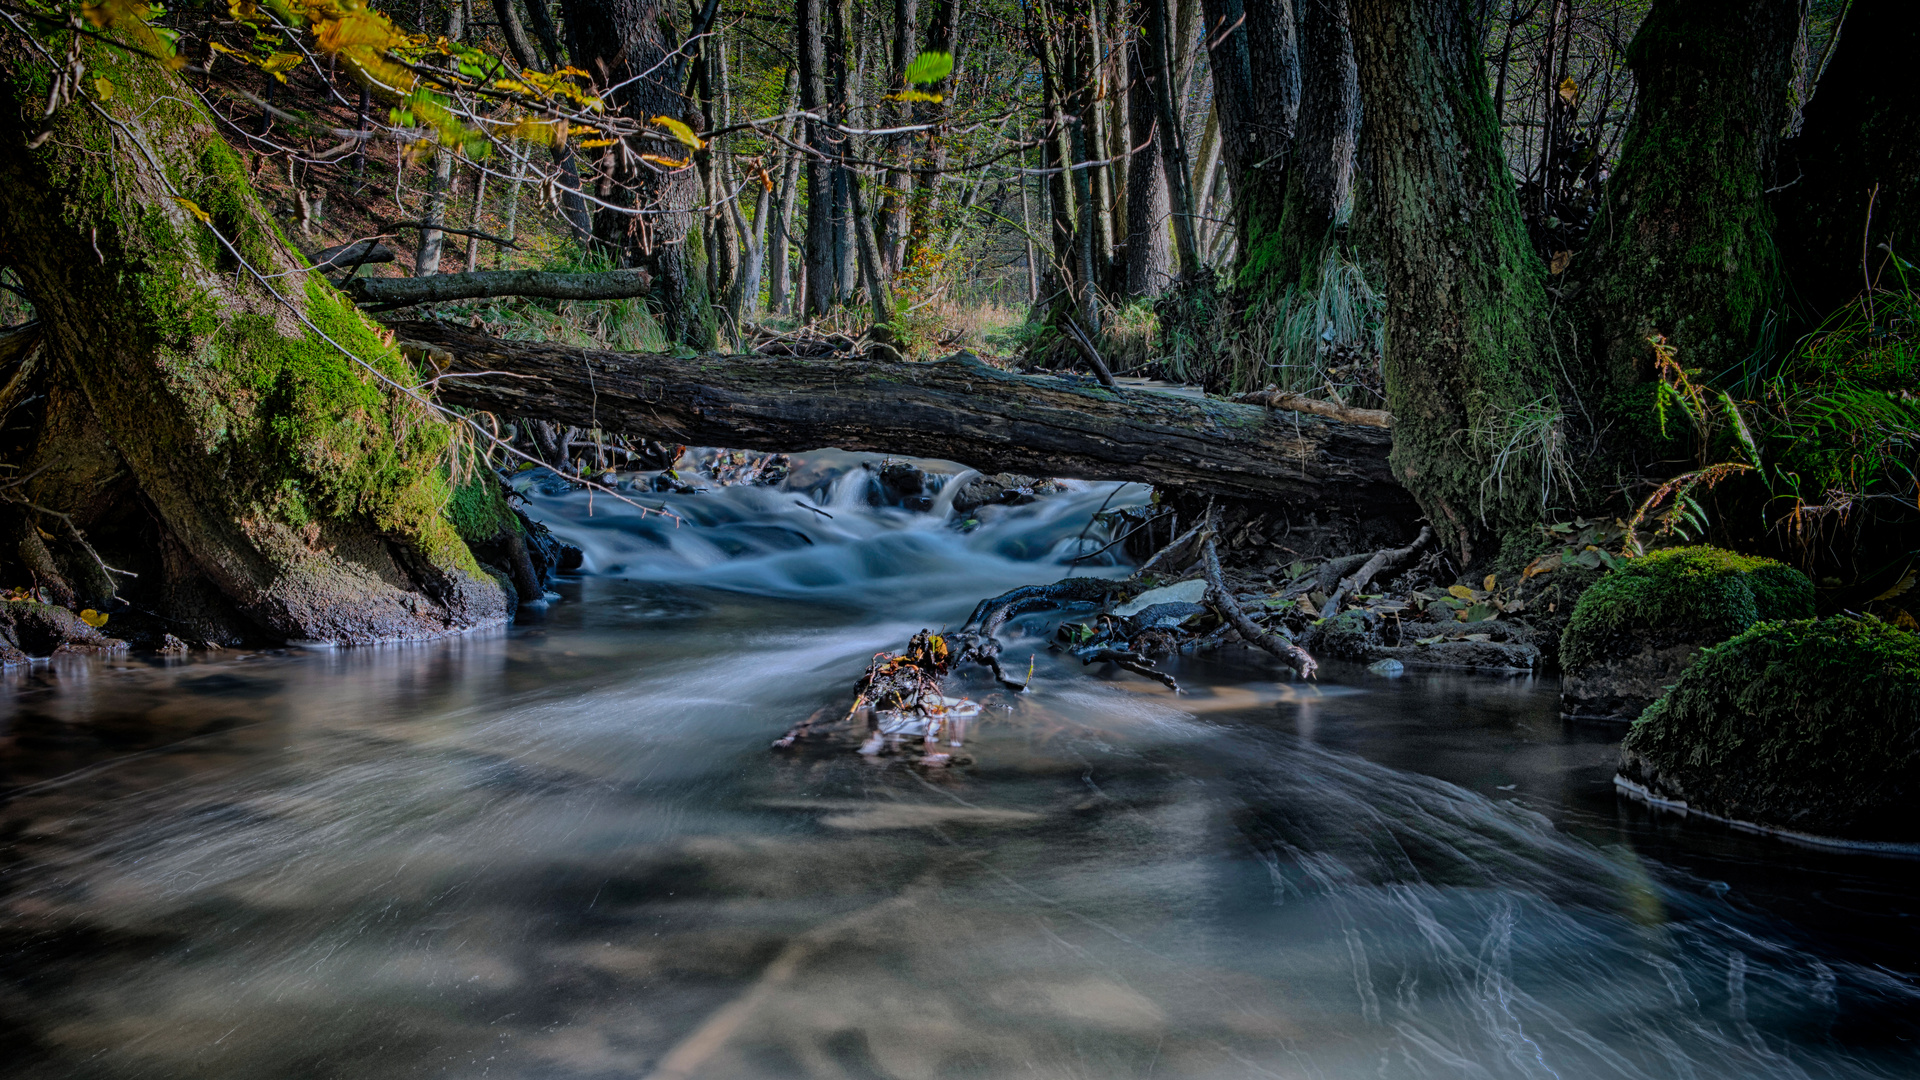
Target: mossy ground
{"x":1807,"y":725}
{"x":1701,"y":594}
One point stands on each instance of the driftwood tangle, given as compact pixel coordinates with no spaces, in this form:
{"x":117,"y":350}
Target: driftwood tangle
{"x":958,"y":409}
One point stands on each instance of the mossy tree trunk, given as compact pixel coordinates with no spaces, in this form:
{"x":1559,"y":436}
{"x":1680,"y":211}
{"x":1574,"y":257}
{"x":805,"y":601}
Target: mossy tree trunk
{"x":1319,"y":183}
{"x":1475,"y":406}
{"x":1256,"y":79}
{"x":270,"y":485}
{"x":1859,"y":140}
{"x":1683,"y":243}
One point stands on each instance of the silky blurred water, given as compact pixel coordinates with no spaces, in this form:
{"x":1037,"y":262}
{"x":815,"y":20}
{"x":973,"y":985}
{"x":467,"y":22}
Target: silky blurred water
{"x":564,"y":850}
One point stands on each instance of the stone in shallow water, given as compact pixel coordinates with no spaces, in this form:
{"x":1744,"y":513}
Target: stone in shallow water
{"x":1636,"y":630}
{"x":1809,"y":726}
{"x":1389,"y":668}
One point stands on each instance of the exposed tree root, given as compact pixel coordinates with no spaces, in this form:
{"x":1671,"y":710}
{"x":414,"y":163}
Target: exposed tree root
{"x":1380,"y":561}
{"x":1221,"y":597}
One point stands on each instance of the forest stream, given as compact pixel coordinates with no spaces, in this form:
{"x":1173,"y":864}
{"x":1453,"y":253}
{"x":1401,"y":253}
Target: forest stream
{"x":564,"y":849}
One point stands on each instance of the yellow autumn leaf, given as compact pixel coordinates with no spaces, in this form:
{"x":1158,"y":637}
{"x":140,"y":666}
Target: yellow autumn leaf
{"x":194,"y":209}
{"x":595,"y":144}
{"x":916,"y":95}
{"x":1460,"y":591}
{"x":1490,"y":582}
{"x":103,"y":88}
{"x":95,"y":619}
{"x":1569,"y":90}
{"x":279,"y":62}
{"x":679,"y":131}
{"x":666,"y":162}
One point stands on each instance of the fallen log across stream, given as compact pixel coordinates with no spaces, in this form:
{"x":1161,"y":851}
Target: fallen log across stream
{"x":958,"y":409}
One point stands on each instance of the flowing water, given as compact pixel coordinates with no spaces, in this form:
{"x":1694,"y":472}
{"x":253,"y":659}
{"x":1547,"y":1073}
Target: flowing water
{"x":565,"y":850}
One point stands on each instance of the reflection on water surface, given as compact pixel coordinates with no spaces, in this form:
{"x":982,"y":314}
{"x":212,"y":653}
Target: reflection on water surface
{"x":564,"y":850}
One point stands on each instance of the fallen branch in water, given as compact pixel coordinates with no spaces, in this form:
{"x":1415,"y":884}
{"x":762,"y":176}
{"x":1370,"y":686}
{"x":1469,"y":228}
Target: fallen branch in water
{"x":1221,"y":597}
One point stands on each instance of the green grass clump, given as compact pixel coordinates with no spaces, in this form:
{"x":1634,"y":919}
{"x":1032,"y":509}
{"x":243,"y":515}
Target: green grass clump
{"x":1691,"y":593}
{"x":1807,"y":725}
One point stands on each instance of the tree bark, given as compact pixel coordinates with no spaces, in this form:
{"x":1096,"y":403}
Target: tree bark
{"x":1859,"y":140}
{"x":481,"y":284}
{"x":958,"y":409}
{"x":1682,"y":245}
{"x":1256,"y":81}
{"x":1149,"y":256}
{"x":823,"y":282}
{"x":1319,"y":184}
{"x":296,"y":482}
{"x":1158,"y":50}
{"x":631,"y":44}
{"x":1465,"y":367}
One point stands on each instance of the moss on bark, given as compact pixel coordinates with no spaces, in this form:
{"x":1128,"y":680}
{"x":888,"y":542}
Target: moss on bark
{"x":267,"y":432}
{"x":1683,"y":243}
{"x":1473,"y":395}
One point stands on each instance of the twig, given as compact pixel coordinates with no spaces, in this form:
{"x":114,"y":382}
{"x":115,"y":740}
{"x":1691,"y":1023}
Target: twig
{"x":1219,"y":596}
{"x":1382,"y":559}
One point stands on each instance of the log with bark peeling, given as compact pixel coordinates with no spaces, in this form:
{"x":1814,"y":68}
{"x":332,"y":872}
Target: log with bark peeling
{"x":958,"y":409}
{"x":483,"y":284}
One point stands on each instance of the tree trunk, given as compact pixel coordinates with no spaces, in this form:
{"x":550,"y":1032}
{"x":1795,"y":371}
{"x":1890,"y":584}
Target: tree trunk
{"x":1476,"y":414}
{"x":1149,"y":257}
{"x":1320,"y":182}
{"x":779,"y":258}
{"x":293,"y":481}
{"x":629,"y":43}
{"x":1256,"y":81}
{"x":1682,"y":245}
{"x":823,"y":283}
{"x":1859,"y":140}
{"x":1157,"y":56}
{"x":962,"y":410}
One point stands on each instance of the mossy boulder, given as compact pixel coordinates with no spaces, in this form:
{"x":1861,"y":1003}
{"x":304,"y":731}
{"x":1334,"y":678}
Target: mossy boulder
{"x":1807,"y":726}
{"x":1635,"y":631}
{"x":1348,"y":635}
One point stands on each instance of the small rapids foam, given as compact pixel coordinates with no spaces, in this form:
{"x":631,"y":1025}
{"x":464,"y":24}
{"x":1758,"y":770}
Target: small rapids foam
{"x":819,"y":535}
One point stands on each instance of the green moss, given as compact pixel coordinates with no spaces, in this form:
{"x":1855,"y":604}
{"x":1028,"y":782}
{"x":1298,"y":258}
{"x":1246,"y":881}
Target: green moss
{"x":1694,"y":593}
{"x":1345,"y":635}
{"x":478,"y":510}
{"x":1806,"y":725}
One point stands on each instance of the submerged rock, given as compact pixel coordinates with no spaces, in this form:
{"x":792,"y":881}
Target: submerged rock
{"x":1635,"y":631}
{"x":1810,"y":727}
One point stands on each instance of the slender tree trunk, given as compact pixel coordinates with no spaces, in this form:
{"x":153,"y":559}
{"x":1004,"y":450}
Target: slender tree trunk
{"x":518,"y":43}
{"x":426,"y":256}
{"x":1683,"y":243}
{"x":1157,"y":55}
{"x":891,"y":227}
{"x":822,"y":283}
{"x":1149,"y":256}
{"x":779,"y":257}
{"x":475,"y":221}
{"x":1465,"y":366}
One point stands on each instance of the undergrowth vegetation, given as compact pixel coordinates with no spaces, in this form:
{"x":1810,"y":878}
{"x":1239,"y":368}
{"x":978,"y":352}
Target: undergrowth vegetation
{"x":1816,"y":458}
